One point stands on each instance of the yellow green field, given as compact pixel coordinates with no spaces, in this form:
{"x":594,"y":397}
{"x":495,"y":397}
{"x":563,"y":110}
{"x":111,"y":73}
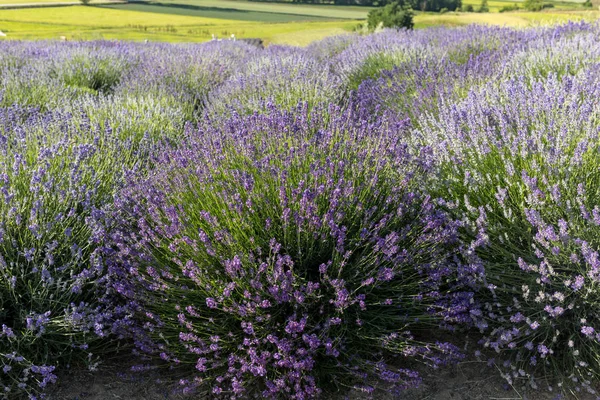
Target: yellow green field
{"x":345,"y":12}
{"x":496,"y":5}
{"x":48,"y":3}
{"x":95,"y":22}
{"x":28,"y":1}
{"x":79,"y":22}
{"x":317,"y":10}
{"x":514,"y":19}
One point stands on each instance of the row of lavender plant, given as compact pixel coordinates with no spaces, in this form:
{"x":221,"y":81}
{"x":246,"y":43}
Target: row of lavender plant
{"x":281,"y":222}
{"x":517,"y":159}
{"x":57,"y":170}
{"x":520,"y":163}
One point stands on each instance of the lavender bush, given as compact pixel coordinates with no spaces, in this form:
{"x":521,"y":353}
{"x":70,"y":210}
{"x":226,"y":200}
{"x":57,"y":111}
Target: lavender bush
{"x":330,"y":47}
{"x":281,"y":76}
{"x":565,"y":53}
{"x":284,"y":253}
{"x":91,"y":71}
{"x":184,"y":75}
{"x":134,"y":118}
{"x":31,"y":87}
{"x":56,"y":172}
{"x":519,"y":163}
{"x":53,"y":75}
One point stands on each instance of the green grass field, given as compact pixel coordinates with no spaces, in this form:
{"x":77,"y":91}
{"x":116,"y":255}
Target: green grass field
{"x":514,"y":19}
{"x":214,"y":12}
{"x":198,"y":20}
{"x":47,"y":3}
{"x":29,"y":1}
{"x":79,"y":22}
{"x":315,"y":10}
{"x":496,"y":5}
{"x":236,"y":10}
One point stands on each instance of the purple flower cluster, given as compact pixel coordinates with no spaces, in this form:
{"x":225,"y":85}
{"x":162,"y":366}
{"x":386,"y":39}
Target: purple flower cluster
{"x":283,"y":252}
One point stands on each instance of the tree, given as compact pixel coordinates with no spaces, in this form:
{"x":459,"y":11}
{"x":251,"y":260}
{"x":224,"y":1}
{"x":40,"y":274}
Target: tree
{"x":484,"y":7}
{"x":533,"y":5}
{"x":393,"y":15}
{"x":85,"y":2}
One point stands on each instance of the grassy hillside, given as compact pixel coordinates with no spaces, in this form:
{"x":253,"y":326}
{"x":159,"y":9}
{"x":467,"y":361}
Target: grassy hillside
{"x":315,"y":10}
{"x":496,"y":5}
{"x":79,"y":22}
{"x":213,"y":12}
{"x":515,"y":19}
{"x":29,"y":1}
{"x":198,"y":20}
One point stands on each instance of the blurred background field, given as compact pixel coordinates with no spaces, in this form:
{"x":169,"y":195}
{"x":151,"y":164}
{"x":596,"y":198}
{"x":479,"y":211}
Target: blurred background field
{"x":275,"y":23}
{"x":513,"y":19}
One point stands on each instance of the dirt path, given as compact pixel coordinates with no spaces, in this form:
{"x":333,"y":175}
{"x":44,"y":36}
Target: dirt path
{"x":470,"y":380}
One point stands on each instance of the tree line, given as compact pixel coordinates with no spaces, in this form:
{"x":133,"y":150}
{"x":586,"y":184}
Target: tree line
{"x":421,"y":5}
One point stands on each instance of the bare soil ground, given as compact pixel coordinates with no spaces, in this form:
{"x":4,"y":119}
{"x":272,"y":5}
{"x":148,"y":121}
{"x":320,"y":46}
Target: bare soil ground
{"x":470,"y":380}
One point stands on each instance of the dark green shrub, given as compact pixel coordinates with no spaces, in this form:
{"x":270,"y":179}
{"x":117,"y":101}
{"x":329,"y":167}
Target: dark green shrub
{"x":435,"y":5}
{"x":533,"y":5}
{"x":483,"y":8}
{"x":394,"y":15}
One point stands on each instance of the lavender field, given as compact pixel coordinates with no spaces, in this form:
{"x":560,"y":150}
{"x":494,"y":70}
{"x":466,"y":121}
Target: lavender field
{"x":295,"y":223}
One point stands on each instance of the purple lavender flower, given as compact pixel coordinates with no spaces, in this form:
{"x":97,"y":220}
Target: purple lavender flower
{"x":348,"y":228}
